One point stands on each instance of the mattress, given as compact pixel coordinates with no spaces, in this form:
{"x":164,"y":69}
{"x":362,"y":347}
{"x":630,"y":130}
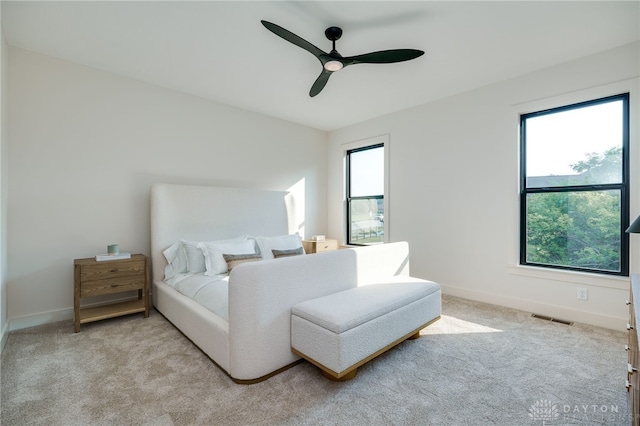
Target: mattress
{"x":212,"y":292}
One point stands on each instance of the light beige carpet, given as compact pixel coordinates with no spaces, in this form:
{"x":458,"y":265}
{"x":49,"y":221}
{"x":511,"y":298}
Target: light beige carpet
{"x":479,"y":365}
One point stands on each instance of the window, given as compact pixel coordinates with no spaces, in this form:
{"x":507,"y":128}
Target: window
{"x":574,"y":180}
{"x":365,"y":194}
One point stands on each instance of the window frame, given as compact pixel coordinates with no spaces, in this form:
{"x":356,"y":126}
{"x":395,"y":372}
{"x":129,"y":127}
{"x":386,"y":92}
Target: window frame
{"x":623,"y":187}
{"x":382,"y":140}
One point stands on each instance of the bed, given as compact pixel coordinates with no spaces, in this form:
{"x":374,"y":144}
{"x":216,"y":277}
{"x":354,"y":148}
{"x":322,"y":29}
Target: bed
{"x":248,"y":334}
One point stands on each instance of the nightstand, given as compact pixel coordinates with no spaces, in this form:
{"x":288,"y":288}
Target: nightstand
{"x":311,"y":246}
{"x":93,"y":278}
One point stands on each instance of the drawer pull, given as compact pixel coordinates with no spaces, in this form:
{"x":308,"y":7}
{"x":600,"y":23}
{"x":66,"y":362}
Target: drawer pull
{"x":629,"y":326}
{"x":627,"y":303}
{"x":627,"y":384}
{"x":113,"y":270}
{"x":115,"y":285}
{"x":630,"y":369}
{"x":626,"y":348}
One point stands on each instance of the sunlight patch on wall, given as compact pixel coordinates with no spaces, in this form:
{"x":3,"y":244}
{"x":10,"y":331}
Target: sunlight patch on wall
{"x":296,"y":207}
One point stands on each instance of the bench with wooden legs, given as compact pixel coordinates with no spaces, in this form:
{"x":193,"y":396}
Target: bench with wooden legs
{"x":340,"y":332}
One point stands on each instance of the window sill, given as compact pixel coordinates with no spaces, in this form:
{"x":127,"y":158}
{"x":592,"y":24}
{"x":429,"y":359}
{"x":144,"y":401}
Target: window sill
{"x":585,"y":278}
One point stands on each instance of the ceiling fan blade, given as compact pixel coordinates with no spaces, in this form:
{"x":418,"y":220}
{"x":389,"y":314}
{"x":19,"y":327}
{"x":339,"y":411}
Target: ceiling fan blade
{"x":292,"y":38}
{"x":383,"y":57}
{"x":320,"y":82}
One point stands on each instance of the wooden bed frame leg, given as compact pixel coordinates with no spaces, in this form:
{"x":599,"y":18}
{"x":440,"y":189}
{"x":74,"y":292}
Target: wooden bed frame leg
{"x":414,"y":336}
{"x":350,"y":375}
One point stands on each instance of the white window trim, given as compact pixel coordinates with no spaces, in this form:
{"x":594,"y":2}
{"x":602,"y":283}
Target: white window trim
{"x":376,"y":140}
{"x":513,"y":251}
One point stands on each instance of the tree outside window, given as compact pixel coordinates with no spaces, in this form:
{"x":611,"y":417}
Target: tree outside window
{"x":574,"y":186}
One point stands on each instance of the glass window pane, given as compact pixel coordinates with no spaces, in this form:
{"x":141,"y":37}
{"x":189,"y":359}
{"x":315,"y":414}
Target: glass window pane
{"x":580,"y":146}
{"x":574,"y":229}
{"x":366,"y":221}
{"x":366,"y":170}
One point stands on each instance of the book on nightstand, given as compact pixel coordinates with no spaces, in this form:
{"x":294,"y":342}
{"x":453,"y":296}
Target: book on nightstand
{"x":119,"y":256}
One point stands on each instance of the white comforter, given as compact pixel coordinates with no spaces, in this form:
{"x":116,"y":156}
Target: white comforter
{"x":212,"y":292}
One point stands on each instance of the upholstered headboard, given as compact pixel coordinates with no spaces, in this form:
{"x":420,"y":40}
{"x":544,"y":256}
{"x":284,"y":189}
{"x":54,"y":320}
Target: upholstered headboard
{"x":208,"y":213}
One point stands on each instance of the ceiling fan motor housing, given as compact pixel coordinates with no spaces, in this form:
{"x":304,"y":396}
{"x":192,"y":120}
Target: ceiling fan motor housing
{"x":333,"y":33}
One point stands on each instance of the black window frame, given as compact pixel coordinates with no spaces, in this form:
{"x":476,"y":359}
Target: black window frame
{"x":623,"y":187}
{"x":349,"y":198}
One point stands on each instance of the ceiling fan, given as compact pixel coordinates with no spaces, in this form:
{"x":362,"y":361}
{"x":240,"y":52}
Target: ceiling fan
{"x":333,"y":61}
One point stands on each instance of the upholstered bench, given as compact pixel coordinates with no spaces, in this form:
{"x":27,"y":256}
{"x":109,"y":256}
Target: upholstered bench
{"x":344,"y":330}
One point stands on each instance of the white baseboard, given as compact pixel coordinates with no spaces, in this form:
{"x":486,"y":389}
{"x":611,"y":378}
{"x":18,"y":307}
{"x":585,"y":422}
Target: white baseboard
{"x":18,"y":323}
{"x":554,"y":311}
{"x":42,"y":318}
{"x":4,"y":336}
{"x":560,"y":312}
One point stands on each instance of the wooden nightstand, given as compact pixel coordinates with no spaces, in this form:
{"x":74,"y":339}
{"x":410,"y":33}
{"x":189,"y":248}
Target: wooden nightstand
{"x":93,"y":278}
{"x":311,"y":246}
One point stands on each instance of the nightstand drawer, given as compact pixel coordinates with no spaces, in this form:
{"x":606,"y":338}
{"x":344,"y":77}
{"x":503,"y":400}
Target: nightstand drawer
{"x":115,"y":269}
{"x":326,"y":245}
{"x":311,"y":246}
{"x":112,"y":285}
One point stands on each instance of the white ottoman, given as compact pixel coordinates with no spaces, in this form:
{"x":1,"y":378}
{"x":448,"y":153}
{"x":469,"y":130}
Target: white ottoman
{"x":344,"y":330}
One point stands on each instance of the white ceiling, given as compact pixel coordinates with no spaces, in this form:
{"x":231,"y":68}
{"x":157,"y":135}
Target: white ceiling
{"x":219,"y":50}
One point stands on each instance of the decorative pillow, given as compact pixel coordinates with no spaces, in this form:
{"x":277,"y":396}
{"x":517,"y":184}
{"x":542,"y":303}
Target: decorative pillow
{"x":234,"y":260}
{"x":213,"y":253}
{"x":283,"y":242}
{"x":286,"y":253}
{"x":176,"y":260}
{"x":195,"y":257}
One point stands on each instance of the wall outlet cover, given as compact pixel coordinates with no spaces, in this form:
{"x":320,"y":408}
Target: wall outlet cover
{"x":583,"y":293}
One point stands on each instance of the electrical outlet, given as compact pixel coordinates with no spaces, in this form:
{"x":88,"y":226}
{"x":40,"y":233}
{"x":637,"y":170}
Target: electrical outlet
{"x":583,"y":293}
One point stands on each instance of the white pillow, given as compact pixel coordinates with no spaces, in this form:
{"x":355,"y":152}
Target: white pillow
{"x":195,"y":257}
{"x":213,"y":251}
{"x":176,"y":261}
{"x":283,"y":242}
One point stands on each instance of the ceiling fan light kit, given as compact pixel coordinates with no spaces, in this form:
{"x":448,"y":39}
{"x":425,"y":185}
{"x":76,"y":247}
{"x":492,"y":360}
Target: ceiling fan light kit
{"x":333,"y":66}
{"x":333,"y":61}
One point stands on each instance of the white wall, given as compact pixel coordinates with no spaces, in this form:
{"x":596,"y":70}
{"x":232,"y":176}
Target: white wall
{"x":86,"y":145}
{"x":4,"y":137}
{"x":454,"y":188}
{"x":85,"y":148}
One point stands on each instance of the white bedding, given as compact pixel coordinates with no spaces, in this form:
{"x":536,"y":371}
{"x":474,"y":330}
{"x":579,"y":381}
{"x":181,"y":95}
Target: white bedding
{"x":199,"y":270}
{"x":212,"y":292}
